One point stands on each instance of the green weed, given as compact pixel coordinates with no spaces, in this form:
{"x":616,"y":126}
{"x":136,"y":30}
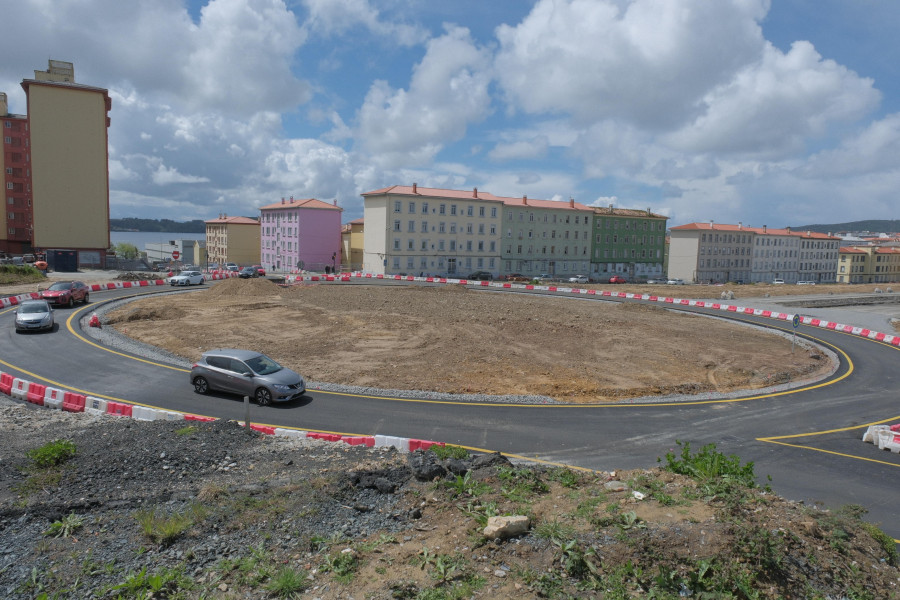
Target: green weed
{"x":287,"y":582}
{"x":51,"y":454}
{"x":716,"y":473}
{"x":449,"y":451}
{"x":166,"y":583}
{"x":165,"y":529}
{"x":65,"y":526}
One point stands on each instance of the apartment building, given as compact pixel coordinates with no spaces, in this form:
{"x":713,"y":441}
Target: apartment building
{"x":627,"y":242}
{"x":413,"y":230}
{"x":55,"y":164}
{"x":232,"y":239}
{"x":300,"y":234}
{"x":352,"y":234}
{"x":869,"y":264}
{"x":545,"y":237}
{"x":715,"y":252}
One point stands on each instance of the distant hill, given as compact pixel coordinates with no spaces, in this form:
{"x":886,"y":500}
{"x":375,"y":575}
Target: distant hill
{"x":161,"y":225}
{"x":875,"y":226}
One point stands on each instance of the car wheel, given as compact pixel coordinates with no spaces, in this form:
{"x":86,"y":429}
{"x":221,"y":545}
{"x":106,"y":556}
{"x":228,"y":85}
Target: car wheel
{"x":71,"y":301}
{"x":263,"y":397}
{"x":201,"y":386}
{"x":87,"y":298}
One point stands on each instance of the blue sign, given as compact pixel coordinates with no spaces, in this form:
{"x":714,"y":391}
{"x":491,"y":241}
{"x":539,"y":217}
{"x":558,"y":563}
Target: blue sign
{"x":796,"y":321}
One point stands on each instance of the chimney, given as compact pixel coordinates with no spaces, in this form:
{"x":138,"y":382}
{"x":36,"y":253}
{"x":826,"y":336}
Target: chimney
{"x":282,"y":200}
{"x":764,"y":229}
{"x":710,"y":223}
{"x":292,"y":199}
{"x":649,"y":214}
{"x":788,"y":229}
{"x":414,"y":188}
{"x":571,"y":202}
{"x":475,"y":193}
{"x":740,"y":225}
{"x":525,"y":200}
{"x":808,"y":233}
{"x":334,"y":201}
{"x":610,"y":208}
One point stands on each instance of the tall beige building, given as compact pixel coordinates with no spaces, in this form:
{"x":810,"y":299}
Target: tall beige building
{"x":67,"y":158}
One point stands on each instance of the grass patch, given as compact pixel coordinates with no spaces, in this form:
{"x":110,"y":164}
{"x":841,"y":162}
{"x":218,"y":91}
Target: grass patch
{"x":164,"y":529}
{"x":19,"y":274}
{"x":65,"y":526}
{"x":287,"y":582}
{"x":449,"y":451}
{"x":51,"y":454}
{"x":716,"y":473}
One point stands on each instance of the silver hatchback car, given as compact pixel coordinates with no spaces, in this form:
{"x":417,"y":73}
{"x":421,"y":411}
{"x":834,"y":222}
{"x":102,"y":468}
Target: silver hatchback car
{"x":246,"y":373}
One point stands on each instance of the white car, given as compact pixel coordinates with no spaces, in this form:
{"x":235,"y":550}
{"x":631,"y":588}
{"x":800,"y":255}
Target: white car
{"x":578,"y":279}
{"x":675,"y":281}
{"x":188,"y":278}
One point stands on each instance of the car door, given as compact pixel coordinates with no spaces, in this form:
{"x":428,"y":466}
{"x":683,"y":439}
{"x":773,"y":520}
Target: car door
{"x":242,"y":384}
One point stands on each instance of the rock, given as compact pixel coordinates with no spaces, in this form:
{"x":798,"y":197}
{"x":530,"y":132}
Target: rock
{"x":506,"y":527}
{"x":425,"y":467}
{"x":457,"y":466}
{"x":614,"y":486}
{"x":490,"y":460}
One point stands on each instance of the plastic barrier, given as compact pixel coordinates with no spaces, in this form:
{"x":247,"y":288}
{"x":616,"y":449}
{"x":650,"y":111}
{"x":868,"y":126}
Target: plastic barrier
{"x":291,"y":433}
{"x":871,"y":433}
{"x":263,"y":429}
{"x":189,"y":417}
{"x":53,"y":398}
{"x":36,"y":392}
{"x":119,"y":409}
{"x":328,"y":437}
{"x":6,"y":383}
{"x":19,"y":388}
{"x":359,"y":440}
{"x":169,"y":415}
{"x":384,"y":441}
{"x":73,"y":402}
{"x":95,"y":406}
{"x":142,"y":413}
{"x":422,"y":445}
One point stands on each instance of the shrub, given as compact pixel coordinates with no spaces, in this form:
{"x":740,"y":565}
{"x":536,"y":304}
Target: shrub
{"x":52,"y":454}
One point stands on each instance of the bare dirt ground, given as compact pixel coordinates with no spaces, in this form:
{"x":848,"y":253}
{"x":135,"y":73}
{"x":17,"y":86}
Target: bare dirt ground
{"x":458,"y":340}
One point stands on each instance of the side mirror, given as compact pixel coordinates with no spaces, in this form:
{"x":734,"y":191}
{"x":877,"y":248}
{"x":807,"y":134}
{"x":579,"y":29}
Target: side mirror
{"x":247,"y":374}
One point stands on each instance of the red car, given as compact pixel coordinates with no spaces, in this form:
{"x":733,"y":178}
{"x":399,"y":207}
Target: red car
{"x":617,"y":279}
{"x":260,"y":270}
{"x":66,"y":293}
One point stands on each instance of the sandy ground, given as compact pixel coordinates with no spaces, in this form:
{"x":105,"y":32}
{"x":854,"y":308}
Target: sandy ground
{"x":458,"y":340}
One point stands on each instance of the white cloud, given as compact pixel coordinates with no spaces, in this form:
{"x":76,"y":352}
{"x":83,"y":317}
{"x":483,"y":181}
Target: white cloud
{"x":535,"y":147}
{"x":168,"y":175}
{"x":448,"y":90}
{"x":332,"y":17}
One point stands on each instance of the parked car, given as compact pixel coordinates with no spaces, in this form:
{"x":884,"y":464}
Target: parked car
{"x":232,"y":267}
{"x":655,"y":281}
{"x":34,"y":315}
{"x":777,"y":281}
{"x":66,"y":293}
{"x":260,"y":270}
{"x":248,"y":272}
{"x":480,"y":276}
{"x":188,"y":278}
{"x":246,"y":373}
{"x":675,"y":281}
{"x":578,"y":279}
{"x":617,"y":279}
{"x":515,"y":277}
{"x":806,"y":283}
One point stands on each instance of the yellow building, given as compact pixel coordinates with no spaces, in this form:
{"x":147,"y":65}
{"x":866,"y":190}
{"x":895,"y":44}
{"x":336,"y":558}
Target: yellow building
{"x":68,"y":159}
{"x":869,"y":264}
{"x":232,"y":239}
{"x":352,"y":245}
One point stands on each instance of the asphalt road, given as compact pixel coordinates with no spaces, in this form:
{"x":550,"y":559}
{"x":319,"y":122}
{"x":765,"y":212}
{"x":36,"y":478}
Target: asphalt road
{"x":808,"y":440}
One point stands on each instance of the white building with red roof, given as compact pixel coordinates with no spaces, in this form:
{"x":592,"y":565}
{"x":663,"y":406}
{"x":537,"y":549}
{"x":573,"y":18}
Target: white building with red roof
{"x":718,"y":253}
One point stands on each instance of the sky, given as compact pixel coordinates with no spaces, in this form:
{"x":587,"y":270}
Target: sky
{"x":764,"y":112}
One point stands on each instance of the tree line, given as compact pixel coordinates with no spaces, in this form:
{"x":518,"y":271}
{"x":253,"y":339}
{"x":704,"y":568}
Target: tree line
{"x":161,"y":225}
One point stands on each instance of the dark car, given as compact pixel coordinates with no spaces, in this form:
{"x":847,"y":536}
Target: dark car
{"x":66,"y":293}
{"x":248,"y":272}
{"x":617,"y":279}
{"x":246,"y":373}
{"x":480,"y":276}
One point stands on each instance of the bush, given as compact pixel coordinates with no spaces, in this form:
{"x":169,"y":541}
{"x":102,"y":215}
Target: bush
{"x":52,"y":454}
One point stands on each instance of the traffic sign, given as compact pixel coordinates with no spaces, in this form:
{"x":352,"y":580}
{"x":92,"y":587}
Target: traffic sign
{"x":796,"y":321}
{"x":176,"y":254}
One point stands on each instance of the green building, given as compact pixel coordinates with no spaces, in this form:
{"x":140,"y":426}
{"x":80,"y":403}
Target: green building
{"x":627,"y":242}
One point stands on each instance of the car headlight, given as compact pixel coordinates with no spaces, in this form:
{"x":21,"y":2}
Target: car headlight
{"x":282,"y":388}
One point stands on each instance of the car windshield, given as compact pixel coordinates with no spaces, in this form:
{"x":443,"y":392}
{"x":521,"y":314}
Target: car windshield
{"x":263,"y":365}
{"x":56,"y":287}
{"x":34,"y":308}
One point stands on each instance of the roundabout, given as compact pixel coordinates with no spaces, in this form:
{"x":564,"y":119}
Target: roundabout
{"x":808,"y":439}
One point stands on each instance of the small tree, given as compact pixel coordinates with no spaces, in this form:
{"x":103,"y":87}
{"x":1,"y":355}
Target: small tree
{"x":127,"y":251}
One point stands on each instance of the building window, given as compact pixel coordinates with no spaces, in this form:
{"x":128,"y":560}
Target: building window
{"x":424,"y":208}
{"x":396,"y":209}
{"x":442,"y":209}
{"x":412,"y":207}
{"x":493,"y":212}
{"x":480,"y":211}
{"x":412,"y":226}
{"x":452,"y":209}
{"x":396,"y":225}
{"x":469,"y":246}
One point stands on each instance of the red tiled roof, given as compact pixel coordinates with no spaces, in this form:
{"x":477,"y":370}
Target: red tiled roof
{"x":305,"y":203}
{"x":416,"y":190}
{"x":233,"y":220}
{"x":851,"y":250}
{"x":756,"y":230}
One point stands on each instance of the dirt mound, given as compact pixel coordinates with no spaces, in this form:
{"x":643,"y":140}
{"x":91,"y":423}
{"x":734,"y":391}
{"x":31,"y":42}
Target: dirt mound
{"x":246,"y":288}
{"x":142,"y":313}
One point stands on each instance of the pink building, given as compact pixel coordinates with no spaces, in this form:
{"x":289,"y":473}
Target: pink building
{"x":300,"y":234}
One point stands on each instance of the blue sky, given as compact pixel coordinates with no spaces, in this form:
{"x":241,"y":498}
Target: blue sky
{"x":768,"y":113}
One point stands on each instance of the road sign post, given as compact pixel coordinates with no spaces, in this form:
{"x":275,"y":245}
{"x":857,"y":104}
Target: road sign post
{"x":796,"y":323}
{"x":176,"y":254}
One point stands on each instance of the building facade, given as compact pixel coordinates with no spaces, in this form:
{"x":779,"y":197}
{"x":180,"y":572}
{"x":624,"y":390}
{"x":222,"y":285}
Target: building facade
{"x":719,"y":253}
{"x":300,"y":235}
{"x":869,"y":264}
{"x":60,"y":152}
{"x":627,"y":242}
{"x":546,"y":237}
{"x":232,"y":239}
{"x":190,"y":252}
{"x":413,"y":230}
{"x":352,"y":241}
